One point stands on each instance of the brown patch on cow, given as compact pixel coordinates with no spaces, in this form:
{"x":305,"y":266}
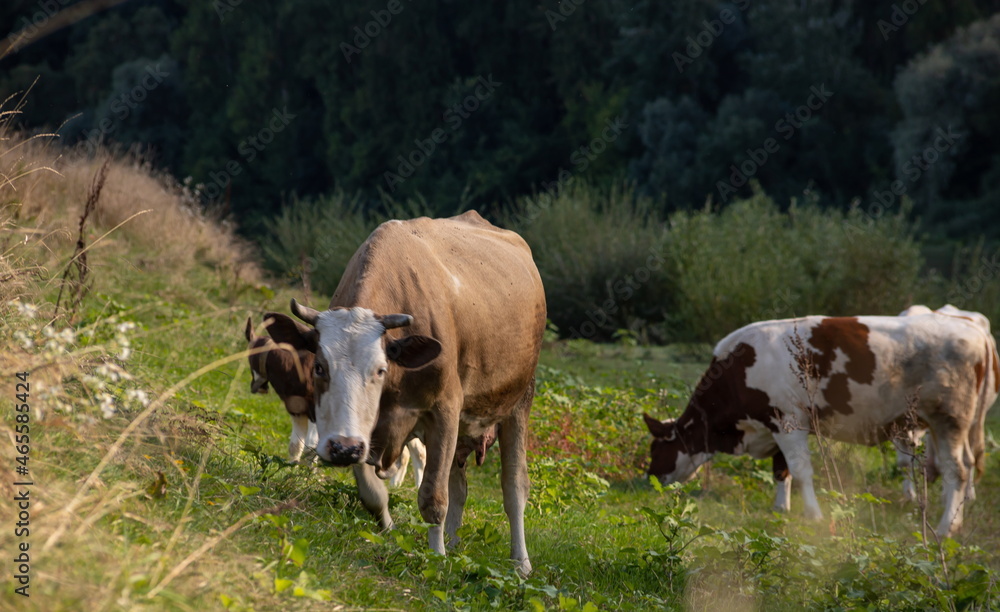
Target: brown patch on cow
{"x":721,"y":399}
{"x":850,"y":336}
{"x":837,"y":395}
{"x":285,"y":375}
{"x":980,"y":373}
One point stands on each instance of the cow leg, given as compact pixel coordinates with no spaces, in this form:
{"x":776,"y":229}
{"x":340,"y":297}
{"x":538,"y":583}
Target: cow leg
{"x":514,"y":476}
{"x":950,"y":457}
{"x":906,"y":447}
{"x":795,"y":446}
{"x":783,"y":482}
{"x":300,"y":434}
{"x":970,"y":470}
{"x":312,"y":436}
{"x":400,"y":469}
{"x":374,"y":494}
{"x":418,"y":454}
{"x":458,"y":491}
{"x":432,"y":499}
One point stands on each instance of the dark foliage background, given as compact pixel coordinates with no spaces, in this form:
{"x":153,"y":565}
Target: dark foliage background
{"x":356,"y":107}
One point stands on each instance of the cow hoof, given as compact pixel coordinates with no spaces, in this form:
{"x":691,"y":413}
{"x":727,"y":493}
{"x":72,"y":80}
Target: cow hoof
{"x":523,"y":567}
{"x":814,"y":515}
{"x":780,"y":509}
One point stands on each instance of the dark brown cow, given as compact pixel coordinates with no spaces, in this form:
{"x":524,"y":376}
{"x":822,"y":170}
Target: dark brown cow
{"x":434,"y":330}
{"x":291,"y":376}
{"x":861,"y":376}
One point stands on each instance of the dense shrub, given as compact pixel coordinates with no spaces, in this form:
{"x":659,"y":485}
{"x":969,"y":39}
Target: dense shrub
{"x":752,"y":262}
{"x":973,"y":283}
{"x":321,"y":235}
{"x":609,"y":263}
{"x":600,"y":254}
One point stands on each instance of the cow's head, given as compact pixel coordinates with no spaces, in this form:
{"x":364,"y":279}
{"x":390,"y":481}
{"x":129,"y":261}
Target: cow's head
{"x":353,"y":357}
{"x":670,"y":458}
{"x":258,"y":373}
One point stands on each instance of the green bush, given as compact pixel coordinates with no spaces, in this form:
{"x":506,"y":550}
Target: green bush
{"x":321,"y":235}
{"x":972,"y":284}
{"x":752,"y":262}
{"x":600,"y":254}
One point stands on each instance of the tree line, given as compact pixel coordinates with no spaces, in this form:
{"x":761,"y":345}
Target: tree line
{"x":459,"y":105}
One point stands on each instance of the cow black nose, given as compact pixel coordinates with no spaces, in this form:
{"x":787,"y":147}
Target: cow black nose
{"x":345,"y":452}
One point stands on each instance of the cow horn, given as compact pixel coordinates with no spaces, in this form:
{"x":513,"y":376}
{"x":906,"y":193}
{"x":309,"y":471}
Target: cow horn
{"x":305,"y":313}
{"x":395,"y":320}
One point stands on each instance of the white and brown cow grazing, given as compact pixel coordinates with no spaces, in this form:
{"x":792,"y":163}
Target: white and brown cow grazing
{"x":291,"y":376}
{"x":863,"y":374}
{"x":905,"y":454}
{"x":434,"y":330}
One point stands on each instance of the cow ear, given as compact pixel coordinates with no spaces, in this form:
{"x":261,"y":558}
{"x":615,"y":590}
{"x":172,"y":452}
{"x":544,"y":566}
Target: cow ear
{"x":659,"y":429}
{"x":248,"y":332}
{"x":413,"y":351}
{"x":283,"y":329}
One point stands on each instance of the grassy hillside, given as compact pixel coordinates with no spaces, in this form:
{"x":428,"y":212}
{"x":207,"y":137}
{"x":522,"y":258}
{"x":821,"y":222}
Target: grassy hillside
{"x":160,"y":483}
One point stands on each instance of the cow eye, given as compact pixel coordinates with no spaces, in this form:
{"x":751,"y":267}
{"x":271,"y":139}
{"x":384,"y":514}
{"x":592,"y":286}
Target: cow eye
{"x":381,"y":372}
{"x":318,"y":370}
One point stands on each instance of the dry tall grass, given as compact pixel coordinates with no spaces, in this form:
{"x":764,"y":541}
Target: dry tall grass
{"x":45,"y":200}
{"x":143,"y":220}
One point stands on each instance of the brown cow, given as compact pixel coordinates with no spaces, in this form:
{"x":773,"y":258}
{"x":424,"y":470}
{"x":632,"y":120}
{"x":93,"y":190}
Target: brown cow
{"x":862,"y":375}
{"x":434,"y":330}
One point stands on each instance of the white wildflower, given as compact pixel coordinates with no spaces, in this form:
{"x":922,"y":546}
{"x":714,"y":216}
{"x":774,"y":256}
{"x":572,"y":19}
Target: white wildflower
{"x":107,"y":405}
{"x":26,"y":309}
{"x":139,"y":396}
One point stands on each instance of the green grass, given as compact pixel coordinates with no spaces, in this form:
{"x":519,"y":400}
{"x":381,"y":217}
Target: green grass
{"x":596,"y":529}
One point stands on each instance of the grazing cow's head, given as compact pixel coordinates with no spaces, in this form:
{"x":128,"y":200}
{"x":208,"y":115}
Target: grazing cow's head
{"x":670,"y":459}
{"x":258,"y":372}
{"x":353,"y":357}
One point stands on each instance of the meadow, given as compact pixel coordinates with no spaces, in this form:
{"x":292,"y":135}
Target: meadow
{"x":160,"y":483}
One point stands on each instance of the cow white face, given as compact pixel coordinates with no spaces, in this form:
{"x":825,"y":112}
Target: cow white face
{"x":353,"y":360}
{"x":670,"y":458}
